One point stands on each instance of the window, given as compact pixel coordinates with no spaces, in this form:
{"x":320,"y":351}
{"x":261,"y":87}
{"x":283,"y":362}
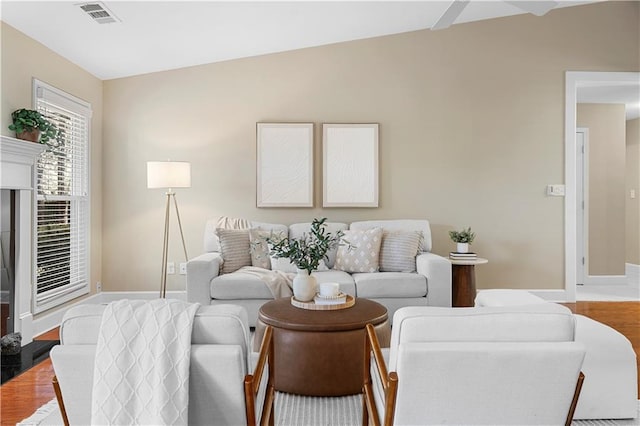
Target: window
{"x":62,"y":208}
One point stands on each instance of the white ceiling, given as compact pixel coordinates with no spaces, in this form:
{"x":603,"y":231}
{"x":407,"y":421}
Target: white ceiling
{"x":155,"y":36}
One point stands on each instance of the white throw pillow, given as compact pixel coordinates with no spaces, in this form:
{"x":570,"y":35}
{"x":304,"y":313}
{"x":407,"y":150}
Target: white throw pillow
{"x":398,"y":251}
{"x":359,"y":251}
{"x":234,"y":246}
{"x":259,"y":248}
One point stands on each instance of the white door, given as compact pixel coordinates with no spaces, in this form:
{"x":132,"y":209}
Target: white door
{"x":582,"y":198}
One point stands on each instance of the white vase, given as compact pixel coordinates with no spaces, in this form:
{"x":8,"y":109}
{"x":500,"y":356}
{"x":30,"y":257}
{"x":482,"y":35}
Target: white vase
{"x":462,"y":247}
{"x":305,"y":286}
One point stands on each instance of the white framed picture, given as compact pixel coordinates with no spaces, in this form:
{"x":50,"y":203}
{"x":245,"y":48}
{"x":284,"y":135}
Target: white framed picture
{"x":350,"y":165}
{"x":284,"y":169}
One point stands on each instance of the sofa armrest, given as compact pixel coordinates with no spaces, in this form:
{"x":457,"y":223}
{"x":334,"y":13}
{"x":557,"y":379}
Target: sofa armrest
{"x":437,"y":269}
{"x":200,"y":271}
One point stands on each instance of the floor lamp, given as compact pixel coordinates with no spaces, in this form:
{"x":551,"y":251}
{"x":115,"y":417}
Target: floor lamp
{"x":169,"y":174}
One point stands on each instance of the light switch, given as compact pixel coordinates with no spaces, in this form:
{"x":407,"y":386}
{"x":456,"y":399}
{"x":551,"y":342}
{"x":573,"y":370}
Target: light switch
{"x":555,"y":190}
{"x":632,"y":193}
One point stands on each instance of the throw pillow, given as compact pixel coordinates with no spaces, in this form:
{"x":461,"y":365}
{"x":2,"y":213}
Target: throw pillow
{"x":359,"y":250}
{"x":234,"y":246}
{"x":259,"y":248}
{"x":398,"y":251}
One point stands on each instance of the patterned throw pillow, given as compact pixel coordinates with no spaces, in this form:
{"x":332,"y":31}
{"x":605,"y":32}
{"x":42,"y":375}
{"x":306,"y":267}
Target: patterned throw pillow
{"x":359,"y":251}
{"x":260,"y":248}
{"x":234,"y":246}
{"x":398,"y":251}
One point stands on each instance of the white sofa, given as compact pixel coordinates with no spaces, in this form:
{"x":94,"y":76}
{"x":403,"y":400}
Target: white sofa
{"x":429,"y":285}
{"x":510,"y":365}
{"x":220,"y":359}
{"x":610,"y":390}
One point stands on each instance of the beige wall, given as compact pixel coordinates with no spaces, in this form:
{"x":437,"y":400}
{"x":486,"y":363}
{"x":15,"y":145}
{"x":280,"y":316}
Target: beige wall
{"x":606,"y":169}
{"x":471,"y":131}
{"x":24,"y":59}
{"x":633,"y":183}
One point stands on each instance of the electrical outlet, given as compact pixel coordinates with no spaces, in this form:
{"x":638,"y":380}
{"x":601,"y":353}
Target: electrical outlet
{"x":555,"y":190}
{"x":98,"y":287}
{"x":183,"y":268}
{"x":171,"y":268}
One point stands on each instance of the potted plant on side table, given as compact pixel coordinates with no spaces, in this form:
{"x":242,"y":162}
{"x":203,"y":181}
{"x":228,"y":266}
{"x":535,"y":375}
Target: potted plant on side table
{"x":30,"y":125}
{"x":462,"y":239}
{"x":306,"y":253}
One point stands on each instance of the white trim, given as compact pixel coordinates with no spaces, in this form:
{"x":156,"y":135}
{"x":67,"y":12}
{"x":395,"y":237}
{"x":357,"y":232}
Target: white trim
{"x":574,"y":79}
{"x":50,"y":321}
{"x":633,"y":273}
{"x":605,"y":280}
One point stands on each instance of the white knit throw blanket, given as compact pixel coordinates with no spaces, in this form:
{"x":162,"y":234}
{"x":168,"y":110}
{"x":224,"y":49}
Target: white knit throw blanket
{"x":279,"y":283}
{"x":141,"y":373}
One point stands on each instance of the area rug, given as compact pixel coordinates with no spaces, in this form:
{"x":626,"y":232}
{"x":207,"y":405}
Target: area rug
{"x":294,"y":410}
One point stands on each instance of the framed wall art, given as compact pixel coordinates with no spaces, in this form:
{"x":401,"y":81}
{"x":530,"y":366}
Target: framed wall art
{"x":284,"y":164}
{"x":350,"y":165}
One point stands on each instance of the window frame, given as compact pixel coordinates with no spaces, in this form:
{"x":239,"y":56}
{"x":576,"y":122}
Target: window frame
{"x":83,"y":108}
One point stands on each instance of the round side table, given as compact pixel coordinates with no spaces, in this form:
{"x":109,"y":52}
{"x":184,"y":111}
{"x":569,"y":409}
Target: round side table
{"x":464,"y":281}
{"x":321,"y":353}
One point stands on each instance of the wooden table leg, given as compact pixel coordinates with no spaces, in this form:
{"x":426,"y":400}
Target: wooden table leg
{"x":464,"y":285}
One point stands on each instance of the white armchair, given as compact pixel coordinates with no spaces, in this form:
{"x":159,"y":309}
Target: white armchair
{"x":220,"y":363}
{"x":477,"y":366}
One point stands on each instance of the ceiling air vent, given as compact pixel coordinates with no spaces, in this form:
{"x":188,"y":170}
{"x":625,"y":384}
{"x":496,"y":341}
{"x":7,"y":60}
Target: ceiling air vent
{"x":99,"y":13}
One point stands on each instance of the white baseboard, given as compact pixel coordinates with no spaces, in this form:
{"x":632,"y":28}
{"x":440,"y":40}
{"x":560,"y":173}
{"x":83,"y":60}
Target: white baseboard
{"x":633,"y":273}
{"x":49,"y":322}
{"x":605,"y":280}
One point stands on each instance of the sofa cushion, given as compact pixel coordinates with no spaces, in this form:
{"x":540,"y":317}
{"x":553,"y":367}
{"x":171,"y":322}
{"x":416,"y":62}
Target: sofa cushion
{"x":359,"y":251}
{"x":333,"y":276}
{"x":298,"y":229}
{"x":390,"y":284}
{"x":235,"y":248}
{"x":400,"y":225}
{"x":239,"y":285}
{"x":398,"y":251}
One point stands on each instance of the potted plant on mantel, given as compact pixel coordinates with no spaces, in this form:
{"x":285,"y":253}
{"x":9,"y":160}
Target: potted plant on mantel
{"x":462,"y":239}
{"x":306,"y":253}
{"x":30,"y":125}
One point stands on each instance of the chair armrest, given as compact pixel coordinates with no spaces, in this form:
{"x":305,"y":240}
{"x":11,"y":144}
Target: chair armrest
{"x":437,"y":269}
{"x":254,"y":384}
{"x":200,"y":271}
{"x":388,"y":381}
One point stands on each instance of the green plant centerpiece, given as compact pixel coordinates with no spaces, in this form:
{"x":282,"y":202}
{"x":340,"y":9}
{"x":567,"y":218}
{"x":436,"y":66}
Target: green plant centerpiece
{"x":462,"y":239}
{"x":306,"y":253}
{"x":32,"y":126}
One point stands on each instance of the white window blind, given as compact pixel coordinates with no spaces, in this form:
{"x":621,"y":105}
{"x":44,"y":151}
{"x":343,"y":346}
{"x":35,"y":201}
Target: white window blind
{"x":62,"y":211}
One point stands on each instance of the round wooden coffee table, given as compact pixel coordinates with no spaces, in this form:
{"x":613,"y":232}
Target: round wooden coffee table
{"x":321,"y":353}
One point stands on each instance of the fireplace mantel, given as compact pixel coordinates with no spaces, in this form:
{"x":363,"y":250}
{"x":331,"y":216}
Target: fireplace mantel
{"x":17,"y":172}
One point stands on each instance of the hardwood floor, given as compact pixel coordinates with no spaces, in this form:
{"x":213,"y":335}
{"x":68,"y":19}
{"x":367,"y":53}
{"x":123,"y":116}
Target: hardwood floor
{"x":21,"y":396}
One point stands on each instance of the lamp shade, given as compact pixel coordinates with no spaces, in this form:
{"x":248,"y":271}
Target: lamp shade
{"x":168,"y":174}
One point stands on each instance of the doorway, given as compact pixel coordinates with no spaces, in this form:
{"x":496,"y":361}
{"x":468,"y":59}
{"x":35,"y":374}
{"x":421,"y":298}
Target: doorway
{"x":576,"y":174}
